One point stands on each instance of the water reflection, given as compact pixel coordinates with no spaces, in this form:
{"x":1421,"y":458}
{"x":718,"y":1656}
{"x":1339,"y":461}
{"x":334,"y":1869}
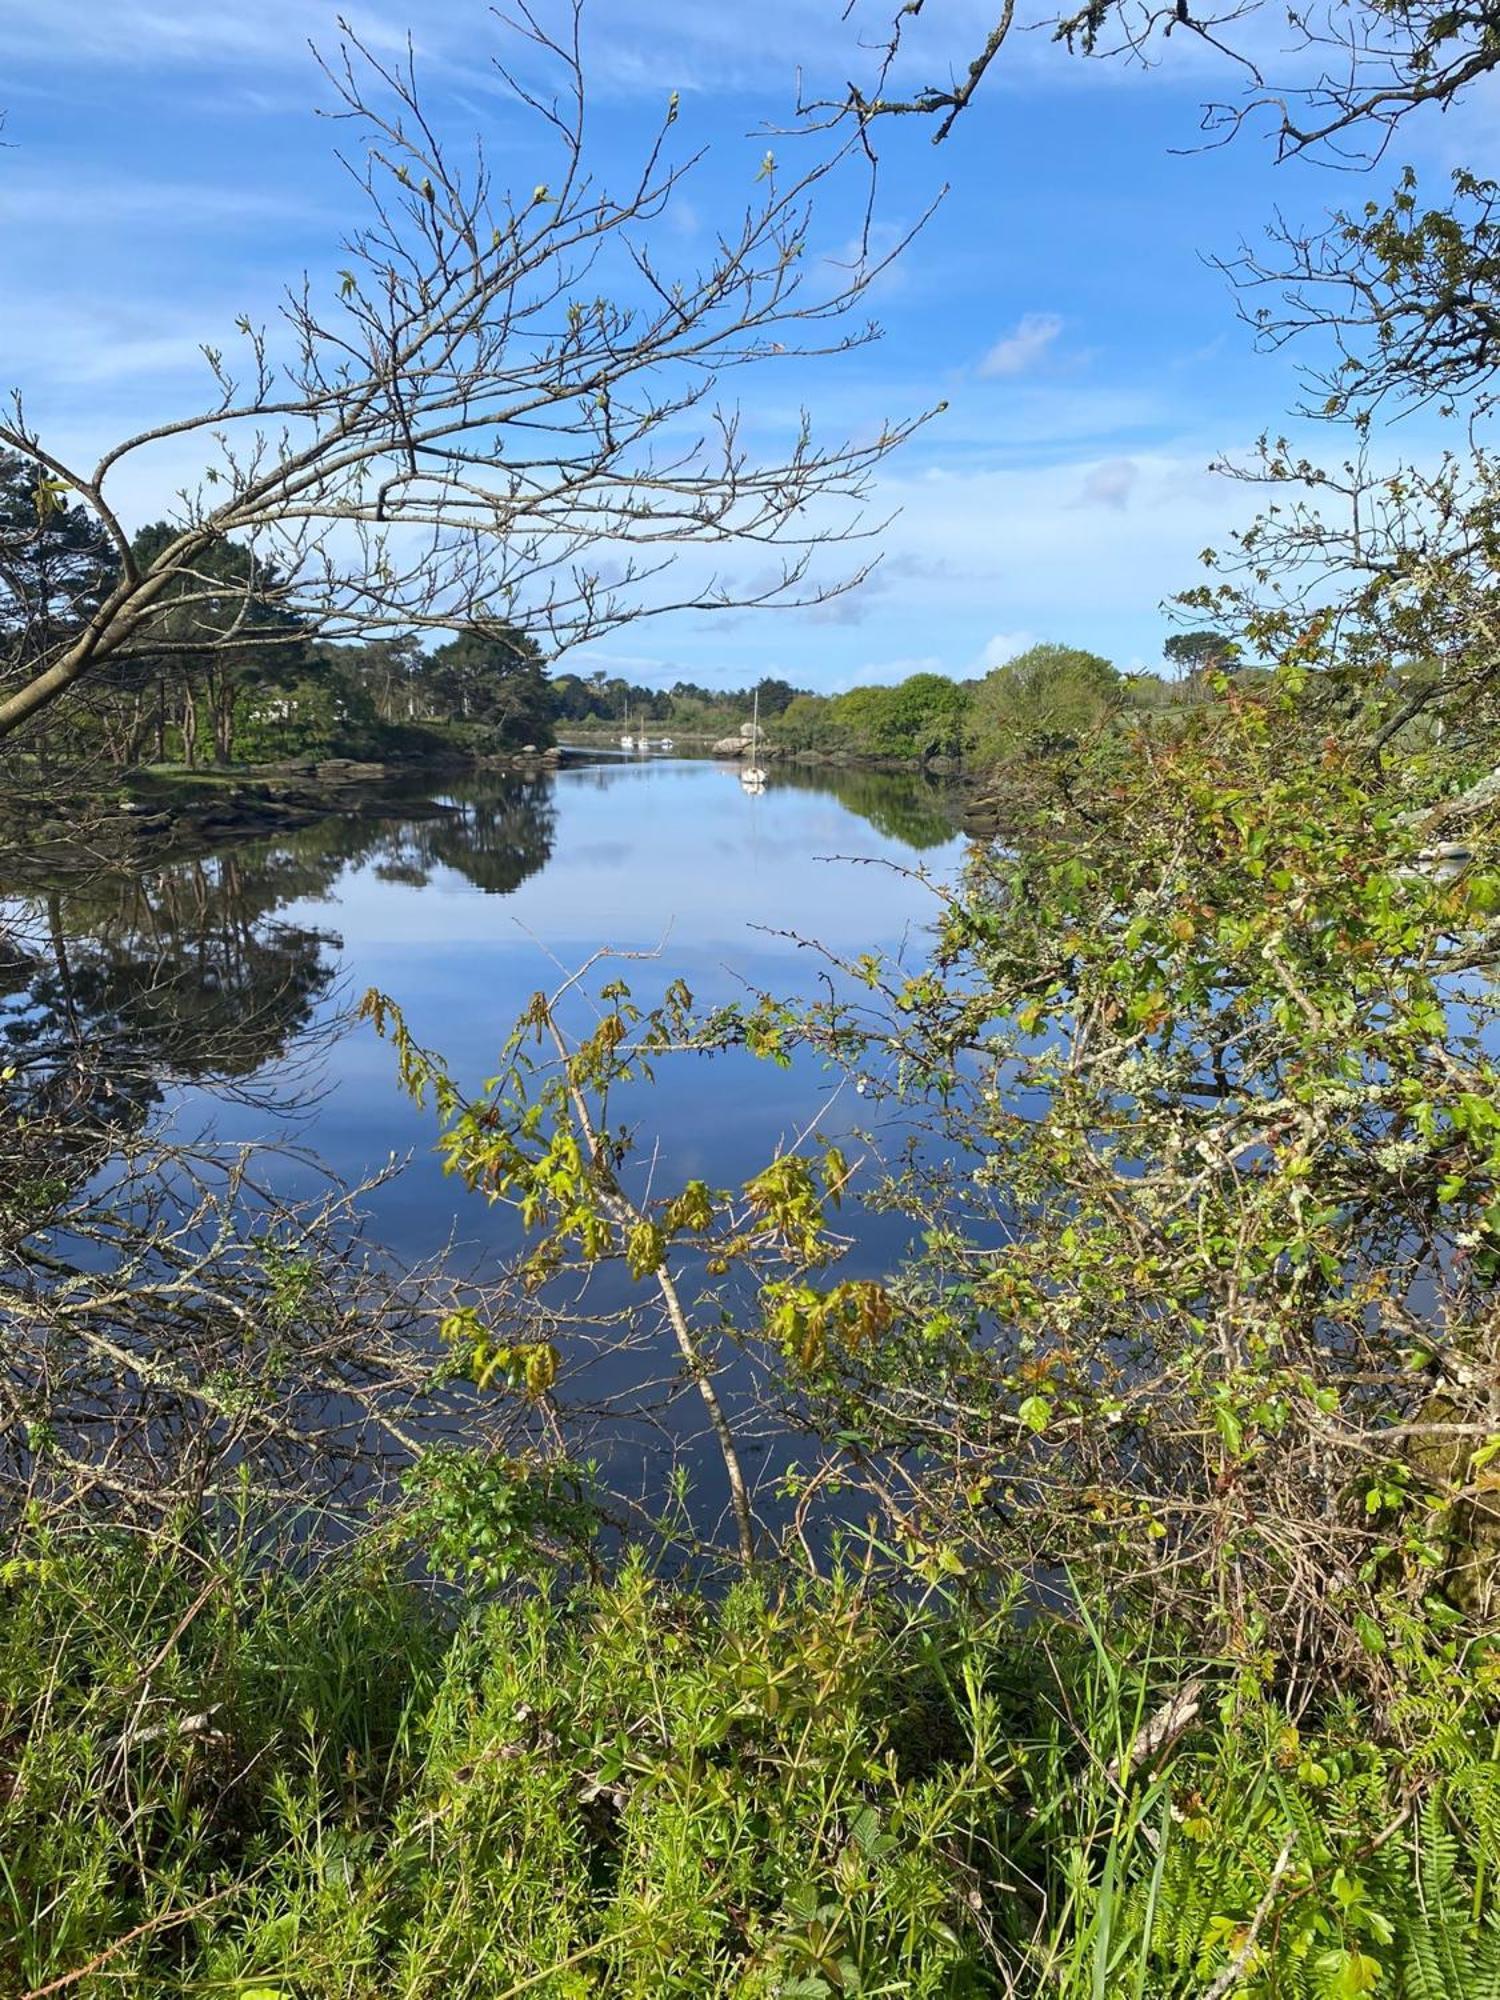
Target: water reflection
{"x":918,"y":811}
{"x":493,"y":835}
{"x":122,"y":984}
{"x":205,"y":995}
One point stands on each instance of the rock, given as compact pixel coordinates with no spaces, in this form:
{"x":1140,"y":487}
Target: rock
{"x":747,"y":729}
{"x":731,"y":746}
{"x":349,"y":771}
{"x":944,"y":766}
{"x":528,"y":749}
{"x":552,"y":755}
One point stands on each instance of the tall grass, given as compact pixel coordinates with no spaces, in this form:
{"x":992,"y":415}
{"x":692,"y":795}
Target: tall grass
{"x":218,"y":1778}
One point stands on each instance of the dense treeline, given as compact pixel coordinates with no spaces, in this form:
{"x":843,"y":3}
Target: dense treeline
{"x":224,"y":676}
{"x":1047,"y":695}
{"x":687,"y":705}
{"x":220,"y":674}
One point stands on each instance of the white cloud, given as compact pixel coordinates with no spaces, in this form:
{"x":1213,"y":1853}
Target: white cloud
{"x":1110,"y":484}
{"x":1004,"y":646}
{"x":635,"y":47}
{"x":37,"y":202}
{"x":51,"y":347}
{"x":1022,"y":349}
{"x":887,"y":673}
{"x":1020,"y":562}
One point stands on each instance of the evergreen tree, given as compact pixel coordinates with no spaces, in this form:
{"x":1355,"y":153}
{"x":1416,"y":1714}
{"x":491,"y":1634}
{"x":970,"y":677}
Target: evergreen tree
{"x":56,"y":568}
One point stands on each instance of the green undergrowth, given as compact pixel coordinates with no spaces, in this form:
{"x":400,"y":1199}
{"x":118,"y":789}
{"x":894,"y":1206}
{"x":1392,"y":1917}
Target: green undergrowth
{"x":217,"y":1777}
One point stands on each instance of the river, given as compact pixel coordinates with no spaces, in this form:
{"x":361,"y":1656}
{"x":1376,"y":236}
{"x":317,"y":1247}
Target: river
{"x":221,"y":988}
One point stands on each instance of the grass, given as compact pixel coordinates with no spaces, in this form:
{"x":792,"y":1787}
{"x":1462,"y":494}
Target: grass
{"x":217,"y":1778}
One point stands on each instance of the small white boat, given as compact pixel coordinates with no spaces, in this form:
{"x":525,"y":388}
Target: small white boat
{"x":666,"y":743}
{"x":752,"y":777}
{"x":627,"y":742}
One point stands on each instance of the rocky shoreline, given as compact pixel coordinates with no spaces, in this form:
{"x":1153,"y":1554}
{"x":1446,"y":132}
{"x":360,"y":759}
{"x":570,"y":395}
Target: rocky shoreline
{"x":183,"y":812}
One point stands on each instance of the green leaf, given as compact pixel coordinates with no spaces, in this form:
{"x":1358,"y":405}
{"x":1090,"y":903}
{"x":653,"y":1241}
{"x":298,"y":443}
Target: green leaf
{"x":1371,"y":1637}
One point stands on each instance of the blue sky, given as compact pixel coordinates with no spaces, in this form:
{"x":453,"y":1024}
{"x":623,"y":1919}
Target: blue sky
{"x":166,"y":171}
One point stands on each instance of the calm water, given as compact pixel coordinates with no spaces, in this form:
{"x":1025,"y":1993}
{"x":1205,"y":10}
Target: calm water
{"x":221,"y":986}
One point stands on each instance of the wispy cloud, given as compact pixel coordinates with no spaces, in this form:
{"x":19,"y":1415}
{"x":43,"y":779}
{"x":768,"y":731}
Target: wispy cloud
{"x":1004,"y":646}
{"x":70,"y":199}
{"x":888,"y":673}
{"x":1023,"y":348}
{"x":1110,"y":484}
{"x":67,"y":344}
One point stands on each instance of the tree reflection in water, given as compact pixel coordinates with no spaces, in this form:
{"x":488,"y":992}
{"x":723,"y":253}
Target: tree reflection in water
{"x":907,"y":806}
{"x":167,"y":1320}
{"x":120,"y":984}
{"x":169,"y":1317}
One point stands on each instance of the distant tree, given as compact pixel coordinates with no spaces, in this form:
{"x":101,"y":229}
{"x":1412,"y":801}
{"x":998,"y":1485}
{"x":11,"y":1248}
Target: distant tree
{"x":690,"y":691}
{"x":385,"y":671}
{"x":808,"y":723}
{"x":495,"y":677}
{"x":927,"y":715}
{"x":214,"y":630}
{"x":774,"y":695}
{"x":1048,"y":694}
{"x":862,"y":719}
{"x":321,"y":714}
{"x":654,"y":704}
{"x":923,"y":716}
{"x":573,"y":698}
{"x":1199,"y":652}
{"x":1149,"y":691}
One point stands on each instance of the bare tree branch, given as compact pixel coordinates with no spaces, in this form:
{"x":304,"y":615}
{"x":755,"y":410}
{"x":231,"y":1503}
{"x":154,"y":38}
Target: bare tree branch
{"x":511,"y":412}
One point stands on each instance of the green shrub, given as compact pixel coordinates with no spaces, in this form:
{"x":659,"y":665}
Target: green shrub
{"x":632,"y":1791}
{"x":222,"y":1779}
{"x":923,"y":716}
{"x":1044,"y":697}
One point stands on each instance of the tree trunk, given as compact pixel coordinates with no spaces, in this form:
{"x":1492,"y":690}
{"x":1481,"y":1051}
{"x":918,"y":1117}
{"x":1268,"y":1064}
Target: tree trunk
{"x":223,"y":706}
{"x":138,"y":733}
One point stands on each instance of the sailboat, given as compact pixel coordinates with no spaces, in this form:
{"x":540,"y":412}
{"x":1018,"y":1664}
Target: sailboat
{"x":752,"y":777}
{"x":627,"y":741}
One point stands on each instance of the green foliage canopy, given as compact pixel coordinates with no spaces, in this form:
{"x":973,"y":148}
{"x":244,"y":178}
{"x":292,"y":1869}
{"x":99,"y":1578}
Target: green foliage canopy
{"x":1048,"y":694}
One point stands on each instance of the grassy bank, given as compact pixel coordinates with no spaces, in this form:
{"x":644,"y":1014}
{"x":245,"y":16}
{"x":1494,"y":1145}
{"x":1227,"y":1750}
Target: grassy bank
{"x":221,"y":1780}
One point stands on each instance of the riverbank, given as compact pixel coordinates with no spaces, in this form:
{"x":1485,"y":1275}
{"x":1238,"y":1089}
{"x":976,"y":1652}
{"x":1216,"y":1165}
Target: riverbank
{"x":225,"y":1777}
{"x":735,"y":745}
{"x":983,"y":814}
{"x":74,"y":821}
